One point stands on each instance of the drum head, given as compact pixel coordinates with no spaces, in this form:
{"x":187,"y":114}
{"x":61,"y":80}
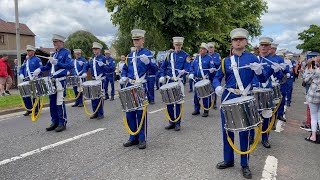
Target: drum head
{"x":202,"y":83}
{"x":238,"y":100}
{"x":169,"y":85}
{"x":91,"y":83}
{"x":261,"y":90}
{"x":23,"y":83}
{"x":274,"y":84}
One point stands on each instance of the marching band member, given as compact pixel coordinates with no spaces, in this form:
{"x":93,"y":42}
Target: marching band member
{"x":135,"y":70}
{"x":189,"y":66}
{"x":217,"y":62}
{"x":26,"y":73}
{"x":273,"y":68}
{"x":151,"y":80}
{"x":109,"y":74}
{"x":98,"y":68}
{"x":59,"y":65}
{"x":237,"y":84}
{"x":174,"y":66}
{"x":119,"y":68}
{"x":79,"y":62}
{"x":290,"y":78}
{"x":199,"y":70}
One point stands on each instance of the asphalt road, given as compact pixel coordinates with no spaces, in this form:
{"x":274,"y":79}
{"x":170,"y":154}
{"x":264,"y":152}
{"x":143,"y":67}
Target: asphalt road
{"x":191,"y":153}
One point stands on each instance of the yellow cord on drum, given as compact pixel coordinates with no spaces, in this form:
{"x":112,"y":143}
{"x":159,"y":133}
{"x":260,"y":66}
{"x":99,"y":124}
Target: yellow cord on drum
{"x":72,"y":99}
{"x":207,"y":109}
{"x":125,"y":121}
{"x":24,"y":106}
{"x":178,"y":118}
{"x":86,"y":110}
{"x":35,"y":118}
{"x":252,"y":147}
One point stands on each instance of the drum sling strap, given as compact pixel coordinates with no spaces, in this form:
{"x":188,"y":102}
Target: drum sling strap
{"x":173,"y":70}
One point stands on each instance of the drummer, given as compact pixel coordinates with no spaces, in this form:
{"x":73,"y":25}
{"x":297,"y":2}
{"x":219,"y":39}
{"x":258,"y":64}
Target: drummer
{"x":174,"y":66}
{"x":137,"y":73}
{"x":200,"y":69}
{"x":217,"y":62}
{"x":59,"y":65}
{"x":79,"y":62}
{"x":273,"y":69}
{"x":234,"y":89}
{"x":98,"y":67}
{"x":110,"y":67}
{"x":26,"y":73}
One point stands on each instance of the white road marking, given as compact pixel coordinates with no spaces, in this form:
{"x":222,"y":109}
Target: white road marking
{"x":270,"y":168}
{"x":6,"y":161}
{"x":158,"y":110}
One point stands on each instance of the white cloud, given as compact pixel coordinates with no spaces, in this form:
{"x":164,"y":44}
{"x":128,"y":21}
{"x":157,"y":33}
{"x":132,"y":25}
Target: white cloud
{"x":63,"y":17}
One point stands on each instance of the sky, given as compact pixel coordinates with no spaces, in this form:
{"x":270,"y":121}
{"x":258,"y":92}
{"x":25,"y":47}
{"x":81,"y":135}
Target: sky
{"x":283,"y":21}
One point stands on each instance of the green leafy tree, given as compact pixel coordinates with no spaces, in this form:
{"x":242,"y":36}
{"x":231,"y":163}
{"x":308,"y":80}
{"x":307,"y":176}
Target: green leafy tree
{"x":310,"y":38}
{"x":196,"y":20}
{"x":83,"y":40}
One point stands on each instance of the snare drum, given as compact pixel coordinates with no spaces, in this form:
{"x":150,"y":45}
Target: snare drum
{"x":73,"y":81}
{"x":171,"y":93}
{"x":276,"y":92}
{"x":92,"y":89}
{"x":204,"y":88}
{"x":25,"y":89}
{"x":132,"y":97}
{"x":240,"y":114}
{"x":264,"y":98}
{"x":43,"y":86}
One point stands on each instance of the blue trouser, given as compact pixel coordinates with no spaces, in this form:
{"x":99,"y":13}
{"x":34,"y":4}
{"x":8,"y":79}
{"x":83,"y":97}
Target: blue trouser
{"x":134,"y":119}
{"x":79,"y":100}
{"x":173,"y":115}
{"x":29,"y":104}
{"x":158,"y":84}
{"x":95,"y":103}
{"x":109,"y":78}
{"x":58,"y":112}
{"x":265,"y":125}
{"x":228,"y":153}
{"x":283,"y":89}
{"x":206,"y":102}
{"x":184,"y":78}
{"x":289,"y":89}
{"x":151,"y":81}
{"x":190,"y":84}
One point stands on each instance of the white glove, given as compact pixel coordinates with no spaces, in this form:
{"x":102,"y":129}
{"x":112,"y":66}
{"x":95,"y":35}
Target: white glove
{"x":145,"y":59}
{"x":161,"y":79}
{"x":256,"y":67}
{"x":21,"y":76}
{"x":53,"y":60}
{"x":81,"y":63}
{"x":288,"y":75}
{"x":283,"y":66}
{"x":100,"y":63}
{"x":182,"y":72}
{"x":36,"y":72}
{"x":276,"y":67}
{"x":219,"y":90}
{"x":211,"y":70}
{"x":84,"y":75}
{"x":124,"y":79}
{"x":191,"y":76}
{"x":121,"y":81}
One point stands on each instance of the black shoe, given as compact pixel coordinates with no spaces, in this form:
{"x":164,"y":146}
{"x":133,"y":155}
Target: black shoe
{"x":52,"y":127}
{"x":107,"y":97}
{"x":3,"y":94}
{"x":246,"y":172}
{"x":251,"y":139}
{"x":151,"y":102}
{"x":195,"y":113}
{"x":177,"y":128}
{"x":61,"y":128}
{"x":93,"y":117}
{"x":288,"y":105}
{"x":157,"y":88}
{"x":80,"y":105}
{"x":190,"y":91}
{"x":7,"y":92}
{"x":112,"y":98}
{"x":27,"y":113}
{"x":205,"y":114}
{"x":131,"y":143}
{"x":224,"y":165}
{"x":266,"y":144}
{"x":281,"y":118}
{"x":100,"y":117}
{"x":171,"y":126}
{"x":75,"y":105}
{"x":215,"y":107}
{"x":274,"y":126}
{"x":142,"y":145}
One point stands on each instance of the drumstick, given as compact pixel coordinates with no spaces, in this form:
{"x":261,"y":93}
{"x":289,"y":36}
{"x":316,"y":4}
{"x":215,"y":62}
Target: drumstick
{"x":140,"y":57}
{"x":43,"y":57}
{"x":248,"y":66}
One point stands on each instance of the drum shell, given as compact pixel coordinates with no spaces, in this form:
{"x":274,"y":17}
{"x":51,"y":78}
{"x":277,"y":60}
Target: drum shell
{"x":92,"y":89}
{"x":42,"y":87}
{"x":264,"y":98}
{"x":203,"y":88}
{"x":25,"y":89}
{"x":241,"y":116}
{"x":276,"y":91}
{"x":72,"y":81}
{"x":171,"y":93}
{"x":132,"y":98}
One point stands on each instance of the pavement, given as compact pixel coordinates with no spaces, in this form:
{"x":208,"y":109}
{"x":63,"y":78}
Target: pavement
{"x":92,"y":149}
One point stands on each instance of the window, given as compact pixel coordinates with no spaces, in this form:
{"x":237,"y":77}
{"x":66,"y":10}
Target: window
{"x":1,"y":39}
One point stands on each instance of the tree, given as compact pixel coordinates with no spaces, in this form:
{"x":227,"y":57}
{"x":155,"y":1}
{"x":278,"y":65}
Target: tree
{"x":310,"y":38}
{"x":83,"y":40}
{"x":196,"y":20}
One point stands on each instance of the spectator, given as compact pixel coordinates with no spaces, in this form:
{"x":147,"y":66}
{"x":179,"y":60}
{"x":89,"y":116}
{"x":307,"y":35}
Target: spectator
{"x":119,"y":68}
{"x":9,"y":77}
{"x":3,"y":73}
{"x":15,"y":72}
